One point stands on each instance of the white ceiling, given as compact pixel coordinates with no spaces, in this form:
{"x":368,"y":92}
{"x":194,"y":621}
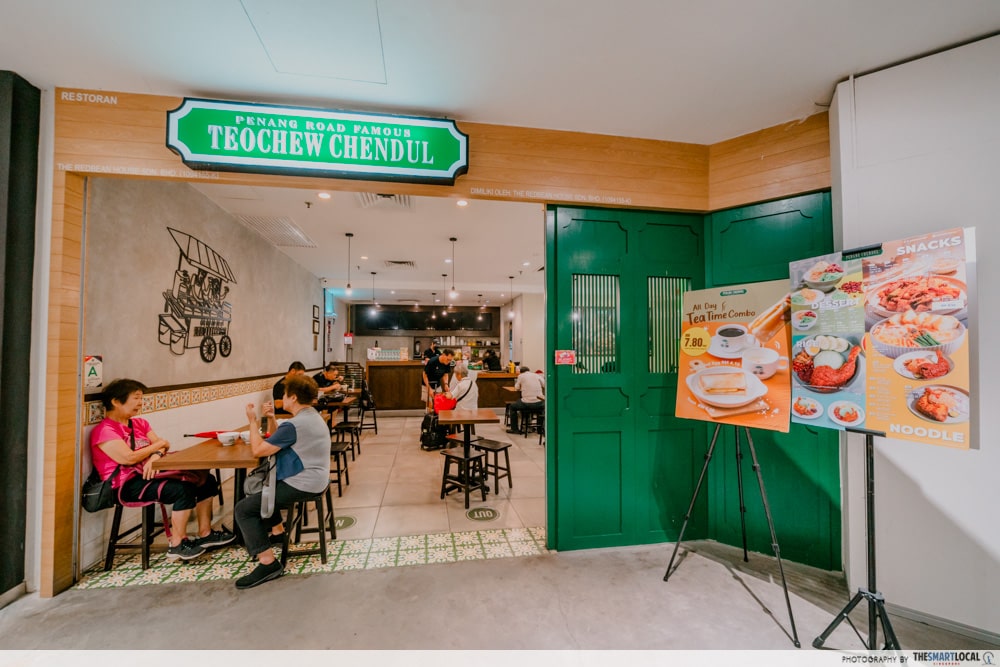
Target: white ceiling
{"x":676,"y":70}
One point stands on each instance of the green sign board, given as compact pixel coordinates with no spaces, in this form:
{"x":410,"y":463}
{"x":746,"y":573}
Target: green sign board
{"x":258,"y":138}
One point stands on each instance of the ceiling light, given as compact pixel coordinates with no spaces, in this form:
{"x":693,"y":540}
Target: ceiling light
{"x":323,"y":195}
{"x":461,"y":202}
{"x":348,"y":290}
{"x":364,"y":256}
{"x":527,"y":264}
{"x":510,"y":314}
{"x":374,"y":304}
{"x":454,"y":294}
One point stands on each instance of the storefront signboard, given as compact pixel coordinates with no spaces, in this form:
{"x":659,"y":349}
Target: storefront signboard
{"x":259,"y":138}
{"x":734,"y":356}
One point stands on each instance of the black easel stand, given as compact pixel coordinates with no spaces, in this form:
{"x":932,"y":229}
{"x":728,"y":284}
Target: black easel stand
{"x":876,"y":601}
{"x":767,"y":512}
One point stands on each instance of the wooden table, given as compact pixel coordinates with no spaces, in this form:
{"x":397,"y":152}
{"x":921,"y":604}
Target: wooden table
{"x":466,"y":418}
{"x":333,"y":406}
{"x":209,"y":455}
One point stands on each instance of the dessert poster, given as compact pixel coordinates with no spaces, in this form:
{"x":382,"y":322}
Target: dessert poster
{"x":917,"y":318}
{"x":734,"y":356}
{"x":828,"y":327}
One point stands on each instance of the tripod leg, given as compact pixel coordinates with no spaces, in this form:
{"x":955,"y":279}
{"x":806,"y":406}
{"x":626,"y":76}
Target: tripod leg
{"x":697,"y":489}
{"x":743,"y":507}
{"x":841,"y":617}
{"x":774,"y":538}
{"x":891,"y":643}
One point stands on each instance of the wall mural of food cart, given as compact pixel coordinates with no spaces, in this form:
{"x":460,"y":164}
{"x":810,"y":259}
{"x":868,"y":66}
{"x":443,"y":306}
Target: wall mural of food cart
{"x":195,"y":310}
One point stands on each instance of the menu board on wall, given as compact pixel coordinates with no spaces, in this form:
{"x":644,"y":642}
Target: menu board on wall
{"x":880,"y":342}
{"x":828,"y":326}
{"x":917,"y":318}
{"x":734,"y":356}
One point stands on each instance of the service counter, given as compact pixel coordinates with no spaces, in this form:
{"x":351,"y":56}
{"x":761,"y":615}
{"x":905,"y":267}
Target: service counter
{"x":395,"y":385}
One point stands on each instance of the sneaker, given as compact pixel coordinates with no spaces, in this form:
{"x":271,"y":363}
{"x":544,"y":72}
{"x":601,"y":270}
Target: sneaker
{"x":215,"y":539}
{"x":186,"y":550}
{"x":260,"y":574}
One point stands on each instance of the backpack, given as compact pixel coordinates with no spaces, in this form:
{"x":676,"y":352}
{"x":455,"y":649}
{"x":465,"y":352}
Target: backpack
{"x":432,"y":435}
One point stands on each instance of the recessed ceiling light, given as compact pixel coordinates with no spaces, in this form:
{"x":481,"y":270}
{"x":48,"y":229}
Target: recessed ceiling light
{"x":527,"y":264}
{"x":447,"y":260}
{"x":364,"y":256}
{"x":392,"y":292}
{"x":461,"y":202}
{"x":323,"y":195}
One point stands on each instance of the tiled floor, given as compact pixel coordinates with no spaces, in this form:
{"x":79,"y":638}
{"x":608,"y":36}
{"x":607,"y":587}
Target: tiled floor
{"x":391,"y":514}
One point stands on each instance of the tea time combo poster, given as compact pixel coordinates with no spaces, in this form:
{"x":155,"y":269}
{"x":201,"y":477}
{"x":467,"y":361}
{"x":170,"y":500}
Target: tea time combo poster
{"x":734,"y":356}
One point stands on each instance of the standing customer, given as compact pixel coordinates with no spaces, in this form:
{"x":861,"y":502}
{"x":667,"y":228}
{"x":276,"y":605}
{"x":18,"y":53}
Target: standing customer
{"x":532,"y":388}
{"x":436,"y":374}
{"x":431,"y":351}
{"x":124,"y":441}
{"x":278,"y":391}
{"x":301,"y":447}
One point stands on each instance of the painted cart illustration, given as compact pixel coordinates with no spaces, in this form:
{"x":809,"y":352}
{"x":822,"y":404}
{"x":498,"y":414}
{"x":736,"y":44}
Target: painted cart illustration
{"x":195,"y":310}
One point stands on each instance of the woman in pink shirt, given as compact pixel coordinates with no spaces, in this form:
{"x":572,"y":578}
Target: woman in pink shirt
{"x":123,"y":441}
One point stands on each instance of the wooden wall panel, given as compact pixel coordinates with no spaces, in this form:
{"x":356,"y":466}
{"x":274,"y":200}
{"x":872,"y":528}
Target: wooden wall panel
{"x":127,"y":139}
{"x":777,"y":162}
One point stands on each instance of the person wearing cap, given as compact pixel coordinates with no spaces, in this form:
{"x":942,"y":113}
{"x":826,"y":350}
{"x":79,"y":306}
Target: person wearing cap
{"x":431,"y":352}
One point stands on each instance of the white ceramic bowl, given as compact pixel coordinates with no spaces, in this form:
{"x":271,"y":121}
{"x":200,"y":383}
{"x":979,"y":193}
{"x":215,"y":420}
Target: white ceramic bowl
{"x":893,"y":351}
{"x":229,"y":437}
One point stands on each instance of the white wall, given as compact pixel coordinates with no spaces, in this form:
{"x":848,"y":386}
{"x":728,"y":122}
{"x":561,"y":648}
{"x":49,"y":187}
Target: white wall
{"x":917,"y":147}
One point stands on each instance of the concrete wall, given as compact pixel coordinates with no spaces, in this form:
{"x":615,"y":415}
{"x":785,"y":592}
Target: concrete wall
{"x":916,"y":147}
{"x":132,"y":259}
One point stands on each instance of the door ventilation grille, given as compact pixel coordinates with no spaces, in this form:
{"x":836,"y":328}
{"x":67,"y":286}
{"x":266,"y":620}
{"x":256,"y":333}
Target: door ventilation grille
{"x":280,"y":232}
{"x":375,"y":200}
{"x":402,"y":264}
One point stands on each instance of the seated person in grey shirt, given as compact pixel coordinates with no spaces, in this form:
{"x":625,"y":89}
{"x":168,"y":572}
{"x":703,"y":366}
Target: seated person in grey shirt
{"x":301,"y":447}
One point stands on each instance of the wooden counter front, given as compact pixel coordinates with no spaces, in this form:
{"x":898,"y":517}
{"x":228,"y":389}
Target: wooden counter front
{"x":491,"y":393}
{"x":395,"y":385}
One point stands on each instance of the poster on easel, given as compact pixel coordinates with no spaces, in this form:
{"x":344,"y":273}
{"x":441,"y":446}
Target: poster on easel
{"x":828,"y":327}
{"x":880,"y":338}
{"x":734,"y":356}
{"x":917,"y":322}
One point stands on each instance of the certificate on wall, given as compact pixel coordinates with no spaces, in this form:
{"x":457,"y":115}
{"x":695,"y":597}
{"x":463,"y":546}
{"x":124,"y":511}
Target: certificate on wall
{"x":734,"y":356}
{"x":917,"y":318}
{"x":828,"y":327}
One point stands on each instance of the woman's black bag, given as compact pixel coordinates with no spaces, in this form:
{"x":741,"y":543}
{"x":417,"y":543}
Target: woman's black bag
{"x":98,"y":495}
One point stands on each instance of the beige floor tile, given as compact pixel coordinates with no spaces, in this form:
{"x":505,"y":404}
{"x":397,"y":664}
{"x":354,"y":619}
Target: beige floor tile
{"x":361,"y":473}
{"x":364,"y":517}
{"x":412,"y":493}
{"x":459,"y":521}
{"x":361,"y":494}
{"x":411,"y":520}
{"x":531,"y":510}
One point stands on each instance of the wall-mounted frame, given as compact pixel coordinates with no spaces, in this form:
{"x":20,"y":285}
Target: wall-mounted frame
{"x":315,"y":313}
{"x":316,"y":326}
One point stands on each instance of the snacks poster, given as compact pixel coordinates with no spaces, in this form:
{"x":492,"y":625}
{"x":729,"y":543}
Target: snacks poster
{"x":881,"y":342}
{"x":734,"y":356}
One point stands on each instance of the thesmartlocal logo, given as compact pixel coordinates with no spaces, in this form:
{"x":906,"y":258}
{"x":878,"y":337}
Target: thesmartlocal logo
{"x":234,"y":136}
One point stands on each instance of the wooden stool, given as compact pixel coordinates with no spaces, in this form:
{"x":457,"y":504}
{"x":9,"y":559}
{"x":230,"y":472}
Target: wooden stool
{"x":506,"y":412}
{"x":532,"y":418}
{"x":338,"y":450}
{"x":298,"y":515}
{"x":499,"y":471}
{"x":352,"y":430}
{"x":468,"y":476}
{"x":149,"y":529}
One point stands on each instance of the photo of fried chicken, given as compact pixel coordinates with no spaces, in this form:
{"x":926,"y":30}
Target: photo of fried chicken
{"x":923,"y":368}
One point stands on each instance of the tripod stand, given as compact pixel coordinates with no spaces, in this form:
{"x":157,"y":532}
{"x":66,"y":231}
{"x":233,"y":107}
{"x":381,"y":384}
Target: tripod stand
{"x":743,"y":526}
{"x":876,"y":601}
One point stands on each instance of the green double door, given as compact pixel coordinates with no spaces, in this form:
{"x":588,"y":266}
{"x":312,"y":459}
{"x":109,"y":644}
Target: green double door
{"x":622,"y":468}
